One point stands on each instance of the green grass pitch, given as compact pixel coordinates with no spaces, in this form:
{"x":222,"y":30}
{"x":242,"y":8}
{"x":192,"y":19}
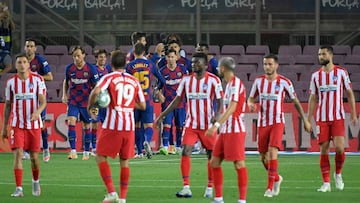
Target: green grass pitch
{"x":157,"y":180}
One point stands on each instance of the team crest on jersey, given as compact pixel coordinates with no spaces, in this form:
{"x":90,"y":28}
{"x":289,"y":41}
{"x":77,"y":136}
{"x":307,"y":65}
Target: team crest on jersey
{"x":179,"y":74}
{"x":31,"y":86}
{"x":86,"y":74}
{"x":335,"y":78}
{"x":205,"y":86}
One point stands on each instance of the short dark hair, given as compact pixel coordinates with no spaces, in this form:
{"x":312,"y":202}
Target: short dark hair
{"x":174,"y":42}
{"x":135,"y":36}
{"x":170,"y":51}
{"x":328,"y":47}
{"x":173,"y":35}
{"x":30,"y":40}
{"x":200,"y":55}
{"x":118,"y":59}
{"x":272,"y":56}
{"x":100,"y":51}
{"x":76,"y":48}
{"x":139,"y":49}
{"x":21,"y":55}
{"x":202,"y":44}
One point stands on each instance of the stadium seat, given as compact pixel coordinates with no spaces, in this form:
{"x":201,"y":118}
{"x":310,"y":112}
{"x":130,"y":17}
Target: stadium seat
{"x":189,"y":49}
{"x":251,"y":59}
{"x":90,"y":59}
{"x":311,"y":50}
{"x":352,"y":68}
{"x":355,"y":77}
{"x":352,"y":59}
{"x":108,"y":48}
{"x":233,"y":50}
{"x":59,"y":77}
{"x":289,"y":50}
{"x":214,"y":49}
{"x":56,"y":50}
{"x":52,"y":59}
{"x":338,"y":59}
{"x":356,"y":50}
{"x":293,"y":76}
{"x":40,"y":49}
{"x":257,"y":50}
{"x":87,"y":48}
{"x":243,"y":76}
{"x":66,"y":59}
{"x":286,"y":60}
{"x":126,"y":48}
{"x":342,"y":49}
{"x":306,"y":59}
{"x":246,"y":68}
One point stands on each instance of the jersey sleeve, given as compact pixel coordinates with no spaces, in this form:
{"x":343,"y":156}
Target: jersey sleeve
{"x":312,"y":88}
{"x":94,"y":74}
{"x":181,"y":88}
{"x":254,"y":90}
{"x":103,"y":83}
{"x":8,"y":94}
{"x":41,"y":86}
{"x":219,"y":94}
{"x":346,"y":80}
{"x":289,"y":87}
{"x":45,"y":65}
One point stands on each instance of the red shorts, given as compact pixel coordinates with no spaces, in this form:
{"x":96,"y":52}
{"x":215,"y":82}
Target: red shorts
{"x":27,"y":139}
{"x":230,"y":146}
{"x":270,"y":136}
{"x":112,"y":142}
{"x":190,"y":136}
{"x":325,"y":131}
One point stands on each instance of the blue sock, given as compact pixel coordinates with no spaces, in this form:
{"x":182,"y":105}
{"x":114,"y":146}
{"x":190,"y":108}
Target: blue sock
{"x":93,"y":138}
{"x":148,"y":134}
{"x":165,"y":136}
{"x":179,"y":132}
{"x":72,"y":137}
{"x":44,"y":136}
{"x":87,"y":139}
{"x":171,"y":136}
{"x":139,"y":139}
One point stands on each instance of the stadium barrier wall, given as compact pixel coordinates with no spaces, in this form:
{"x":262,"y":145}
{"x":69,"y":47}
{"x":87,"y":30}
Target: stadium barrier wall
{"x":295,"y":138}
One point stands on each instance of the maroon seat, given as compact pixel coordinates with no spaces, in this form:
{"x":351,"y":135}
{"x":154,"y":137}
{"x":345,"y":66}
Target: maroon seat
{"x":56,"y":50}
{"x":108,"y":48}
{"x":356,"y":50}
{"x":289,"y":50}
{"x":341,"y":49}
{"x":257,"y":50}
{"x":286,"y":60}
{"x":311,"y":50}
{"x":233,"y":50}
{"x":352,"y":60}
{"x":87,"y":48}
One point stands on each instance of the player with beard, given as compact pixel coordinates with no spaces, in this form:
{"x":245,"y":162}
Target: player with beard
{"x":271,"y":89}
{"x":326,"y":88}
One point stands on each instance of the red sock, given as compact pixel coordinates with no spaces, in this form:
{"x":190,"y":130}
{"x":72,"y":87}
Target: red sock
{"x":210,"y":174}
{"x":325,"y":167}
{"x":18,"y":177}
{"x":124,"y":181}
{"x":272,"y":173}
{"x":242,"y":176}
{"x":185,"y":169}
{"x":218,"y":181}
{"x":339,"y":162}
{"x":35,"y":174}
{"x":105,"y":174}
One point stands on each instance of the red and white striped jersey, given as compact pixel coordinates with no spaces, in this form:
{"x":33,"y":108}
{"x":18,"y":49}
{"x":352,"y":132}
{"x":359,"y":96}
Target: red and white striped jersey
{"x":200,"y":95}
{"x":234,"y":91}
{"x":124,"y":90}
{"x":329,"y":86}
{"x":271,"y":98}
{"x":24,"y":95}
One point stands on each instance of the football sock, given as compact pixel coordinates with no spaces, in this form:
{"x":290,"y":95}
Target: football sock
{"x":93,"y":138}
{"x":339,"y":162}
{"x":124,"y":181}
{"x":242,"y":176}
{"x":72,"y":137}
{"x":166,"y":134}
{"x":18,"y":177}
{"x":44,"y":136}
{"x":105,"y":174}
{"x":171,"y":136}
{"x":325,"y":167}
{"x":178,"y":136}
{"x":139,"y":134}
{"x":272,"y":173}
{"x":210,"y":174}
{"x":87,"y":139}
{"x":218,"y":181}
{"x":35,"y":174}
{"x":148,"y":134}
{"x":185,"y":169}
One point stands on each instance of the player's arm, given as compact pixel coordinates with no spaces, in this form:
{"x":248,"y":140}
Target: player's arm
{"x":351,"y":101}
{"x":7,"y":111}
{"x":48,"y":76}
{"x":42,"y":102}
{"x":219,"y":109}
{"x":172,"y":106}
{"x":307,"y":124}
{"x":251,"y":100}
{"x":65,"y":90}
{"x":92,"y":98}
{"x":311,"y":106}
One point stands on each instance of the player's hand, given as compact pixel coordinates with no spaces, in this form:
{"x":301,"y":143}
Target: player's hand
{"x":307,"y":126}
{"x":158,"y":122}
{"x":161,"y":97}
{"x":93,"y":113}
{"x":4,"y":134}
{"x":211,"y":131}
{"x":64,"y":99}
{"x":252,"y":107}
{"x":354,"y":120}
{"x":34,"y":116}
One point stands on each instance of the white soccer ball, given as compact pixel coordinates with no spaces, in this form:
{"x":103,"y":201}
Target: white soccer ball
{"x":103,"y":99}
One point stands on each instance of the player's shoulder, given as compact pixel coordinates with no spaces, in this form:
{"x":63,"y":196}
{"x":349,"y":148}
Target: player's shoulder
{"x":37,"y":76}
{"x":40,"y":57}
{"x":284,"y":79}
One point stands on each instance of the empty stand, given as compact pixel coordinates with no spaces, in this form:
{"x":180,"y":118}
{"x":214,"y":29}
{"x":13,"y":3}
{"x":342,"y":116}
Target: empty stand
{"x":257,"y":50}
{"x":52,"y":59}
{"x":341,"y":49}
{"x":233,"y":50}
{"x":289,"y":50}
{"x":56,"y":50}
{"x":90,"y":59}
{"x":356,"y":50}
{"x":338,"y":59}
{"x":87,"y":49}
{"x":286,"y":60}
{"x":352,"y":59}
{"x":214,"y":49}
{"x":126,"y":48}
{"x":66,"y":59}
{"x":251,"y":59}
{"x":311,"y":50}
{"x":40,"y":49}
{"x":189,"y":49}
{"x":306,"y":59}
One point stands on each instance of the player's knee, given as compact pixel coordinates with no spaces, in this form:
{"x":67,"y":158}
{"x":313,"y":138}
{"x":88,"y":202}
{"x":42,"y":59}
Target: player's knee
{"x":187,"y":149}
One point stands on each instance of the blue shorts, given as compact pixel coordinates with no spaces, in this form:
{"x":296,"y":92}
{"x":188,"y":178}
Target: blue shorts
{"x":178,"y":115}
{"x":146,"y":116}
{"x":75,"y":111}
{"x":43,"y":114}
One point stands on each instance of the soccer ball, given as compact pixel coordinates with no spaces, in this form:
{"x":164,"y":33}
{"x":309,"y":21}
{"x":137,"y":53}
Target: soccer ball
{"x":103,"y":99}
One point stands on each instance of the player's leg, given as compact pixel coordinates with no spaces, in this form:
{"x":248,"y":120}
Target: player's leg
{"x":34,"y":147}
{"x":166,"y":133}
{"x":94,"y":127}
{"x":72,"y":114}
{"x":180,"y":116}
{"x":147,"y":118}
{"x":215,"y":162}
{"x":323,"y":135}
{"x":190,"y":137}
{"x":139,"y":134}
{"x":18,"y":145}
{"x":108,"y":145}
{"x":87,"y":141}
{"x":338,"y":134}
{"x":44,"y":136}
